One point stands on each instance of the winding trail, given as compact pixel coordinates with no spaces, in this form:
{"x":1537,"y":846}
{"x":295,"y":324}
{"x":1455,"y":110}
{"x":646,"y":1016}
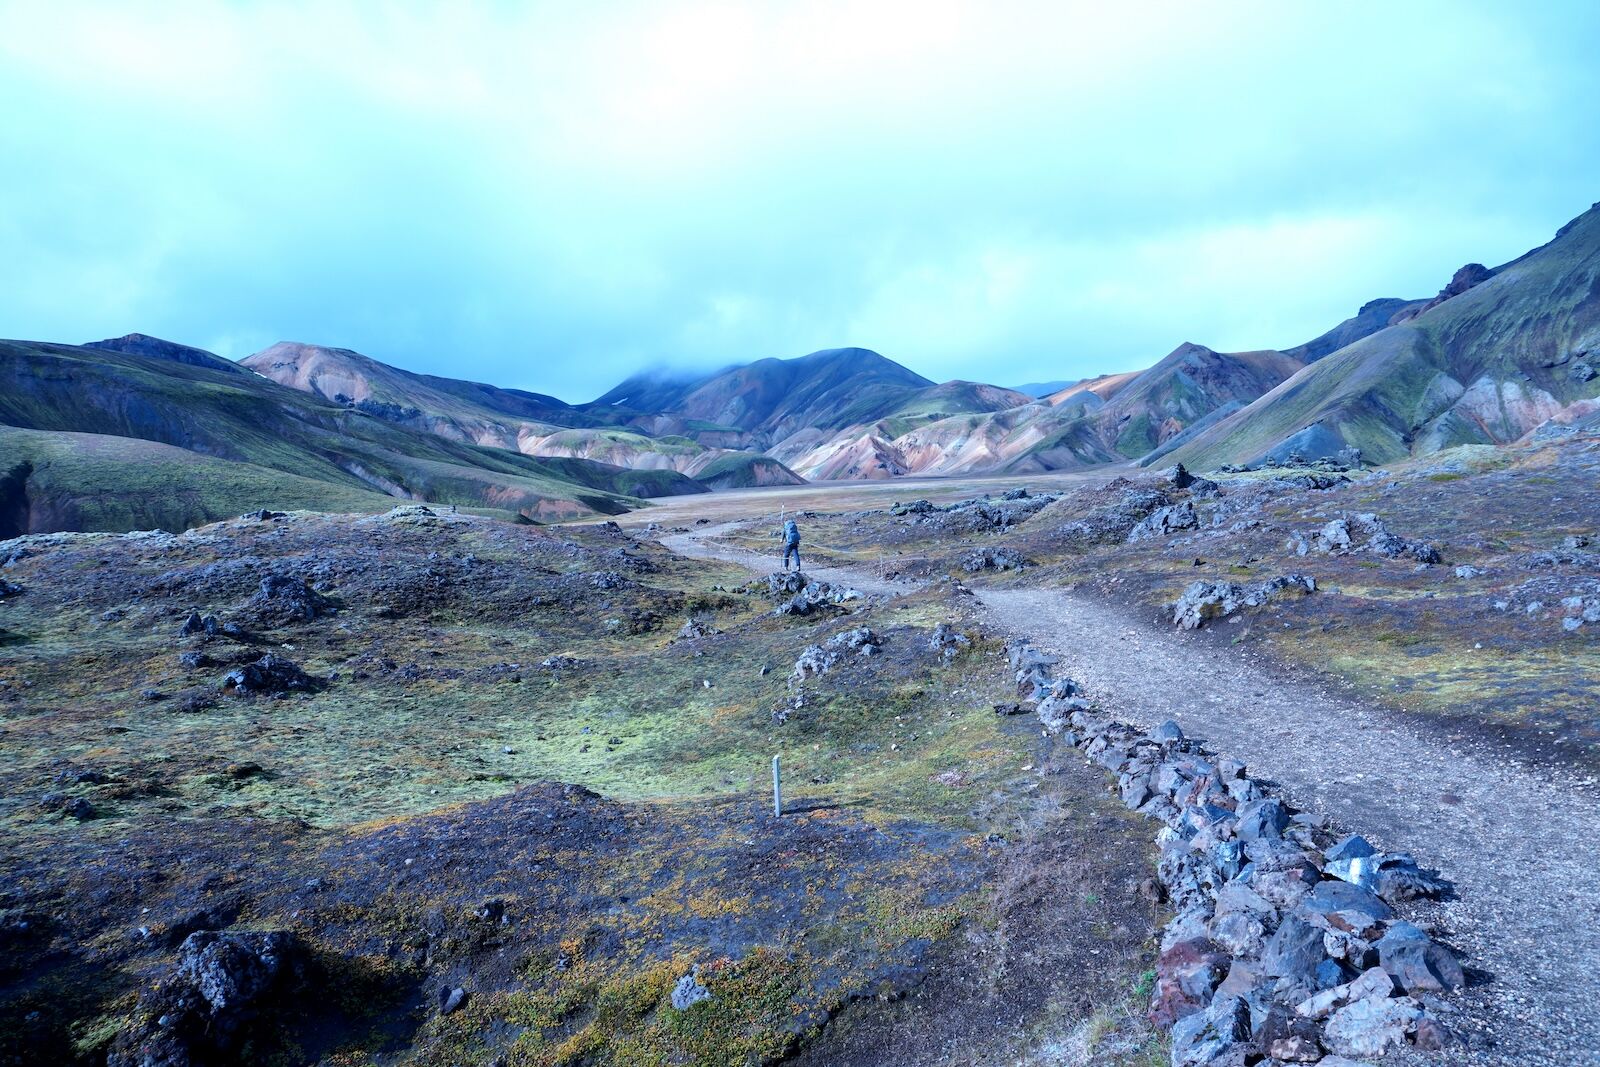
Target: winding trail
{"x":1521,"y":843}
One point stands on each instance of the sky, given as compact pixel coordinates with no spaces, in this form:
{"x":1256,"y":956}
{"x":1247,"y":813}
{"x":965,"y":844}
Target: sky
{"x":556,"y":196}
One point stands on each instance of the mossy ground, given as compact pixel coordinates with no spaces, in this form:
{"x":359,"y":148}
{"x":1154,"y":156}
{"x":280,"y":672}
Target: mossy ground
{"x":465,"y":663}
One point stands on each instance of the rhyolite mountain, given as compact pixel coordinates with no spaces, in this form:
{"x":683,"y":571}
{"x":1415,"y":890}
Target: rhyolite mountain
{"x":1496,"y":355}
{"x":530,"y":423}
{"x":94,"y":418}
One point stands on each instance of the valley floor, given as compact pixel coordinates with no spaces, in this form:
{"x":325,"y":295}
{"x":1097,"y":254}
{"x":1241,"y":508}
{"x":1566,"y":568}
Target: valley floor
{"x":501,"y":790}
{"x":1508,"y":818}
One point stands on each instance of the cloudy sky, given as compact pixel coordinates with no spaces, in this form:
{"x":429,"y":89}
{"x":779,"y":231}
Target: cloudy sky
{"x":553,"y":197}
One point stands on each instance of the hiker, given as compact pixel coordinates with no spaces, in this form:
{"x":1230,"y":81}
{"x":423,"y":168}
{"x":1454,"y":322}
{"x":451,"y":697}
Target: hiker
{"x":791,"y":545}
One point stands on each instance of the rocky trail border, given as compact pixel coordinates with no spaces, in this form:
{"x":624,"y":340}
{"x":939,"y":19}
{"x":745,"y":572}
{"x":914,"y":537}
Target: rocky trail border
{"x":1519,"y":842}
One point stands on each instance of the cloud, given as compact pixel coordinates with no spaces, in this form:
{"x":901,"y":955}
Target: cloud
{"x":551,"y":196}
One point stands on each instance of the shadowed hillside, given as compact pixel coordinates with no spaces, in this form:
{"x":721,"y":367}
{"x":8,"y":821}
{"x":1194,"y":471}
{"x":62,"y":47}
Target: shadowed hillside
{"x":226,"y":415}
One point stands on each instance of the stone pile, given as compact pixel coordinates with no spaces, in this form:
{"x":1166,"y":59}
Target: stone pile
{"x":1338,"y":537}
{"x":271,"y":674}
{"x":283,"y":598}
{"x":948,"y":642}
{"x":1285,"y":946}
{"x":1181,"y":477}
{"x":990,"y":558}
{"x":797,"y":594}
{"x":1164,"y":521}
{"x":1202,"y":600}
{"x":817,"y":660}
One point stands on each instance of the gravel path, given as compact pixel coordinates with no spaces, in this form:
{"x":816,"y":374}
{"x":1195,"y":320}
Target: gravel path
{"x":1519,"y":842}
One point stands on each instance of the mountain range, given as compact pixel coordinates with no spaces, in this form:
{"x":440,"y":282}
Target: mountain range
{"x":136,"y":431}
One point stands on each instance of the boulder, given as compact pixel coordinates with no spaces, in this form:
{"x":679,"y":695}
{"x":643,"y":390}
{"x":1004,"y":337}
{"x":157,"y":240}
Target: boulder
{"x":283,"y":598}
{"x":1167,"y":733}
{"x":1262,"y":819}
{"x":948,"y":642}
{"x":1202,"y":1038}
{"x":1334,"y":537}
{"x":1287,"y":1037}
{"x":1417,"y":962}
{"x":1202,"y":601}
{"x":817,"y":660}
{"x":695,"y":629}
{"x":1398,"y":877}
{"x":1345,"y":908}
{"x":1186,"y":974}
{"x":232,"y":970}
{"x":1351,"y":847}
{"x":1241,"y":933}
{"x":196,"y":625}
{"x":221,"y":982}
{"x":799,"y":595}
{"x":1294,"y":951}
{"x":1372,"y":1026}
{"x":994,"y":559}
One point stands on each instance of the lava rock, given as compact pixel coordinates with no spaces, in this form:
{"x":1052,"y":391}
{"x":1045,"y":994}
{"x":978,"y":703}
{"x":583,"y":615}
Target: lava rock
{"x":1205,"y":1037}
{"x":1346,"y":908}
{"x":994,"y":559}
{"x":271,"y":674}
{"x":1164,"y":521}
{"x":1417,"y":962}
{"x":1372,"y":1026}
{"x":1186,"y":974}
{"x":947,"y":642}
{"x":1167,"y":733}
{"x":283,"y":598}
{"x":230,"y":971}
{"x":1294,"y":951}
{"x":1353,"y":847}
{"x":1262,"y":819}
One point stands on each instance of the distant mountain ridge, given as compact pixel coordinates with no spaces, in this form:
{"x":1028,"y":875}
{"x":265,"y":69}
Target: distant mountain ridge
{"x":529,"y":423}
{"x":1496,"y":355}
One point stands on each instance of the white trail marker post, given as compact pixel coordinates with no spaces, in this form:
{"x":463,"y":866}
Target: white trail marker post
{"x":777,"y":790}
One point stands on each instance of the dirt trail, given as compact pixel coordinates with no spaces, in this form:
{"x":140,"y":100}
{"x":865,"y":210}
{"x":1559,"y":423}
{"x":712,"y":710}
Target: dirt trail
{"x":1519,"y":842}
